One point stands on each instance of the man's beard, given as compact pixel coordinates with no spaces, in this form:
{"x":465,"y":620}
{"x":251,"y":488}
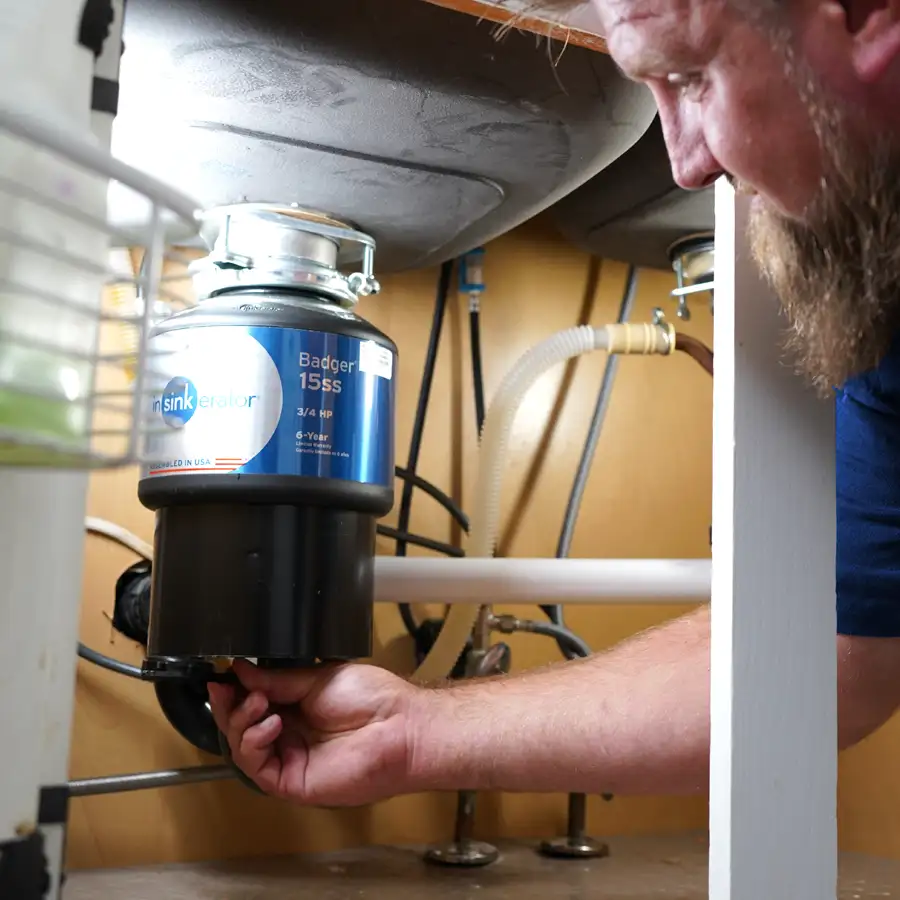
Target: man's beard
{"x":837,"y":272}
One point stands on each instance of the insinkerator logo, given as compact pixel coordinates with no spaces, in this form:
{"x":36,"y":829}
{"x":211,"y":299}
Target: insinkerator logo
{"x":180,"y":400}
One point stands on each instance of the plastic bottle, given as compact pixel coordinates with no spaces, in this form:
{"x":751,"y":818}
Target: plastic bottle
{"x":49,"y":304}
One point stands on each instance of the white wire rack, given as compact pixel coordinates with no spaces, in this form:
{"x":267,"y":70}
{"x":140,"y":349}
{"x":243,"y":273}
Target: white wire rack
{"x":75,"y":378}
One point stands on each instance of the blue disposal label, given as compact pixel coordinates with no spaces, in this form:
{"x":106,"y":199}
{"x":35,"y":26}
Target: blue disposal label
{"x":271,"y":401}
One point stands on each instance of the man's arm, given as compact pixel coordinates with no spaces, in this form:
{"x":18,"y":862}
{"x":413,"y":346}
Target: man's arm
{"x":633,"y":720}
{"x":868,"y":685}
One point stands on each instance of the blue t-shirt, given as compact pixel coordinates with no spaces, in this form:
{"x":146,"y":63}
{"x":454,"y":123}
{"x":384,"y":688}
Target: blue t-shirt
{"x":868,"y":501}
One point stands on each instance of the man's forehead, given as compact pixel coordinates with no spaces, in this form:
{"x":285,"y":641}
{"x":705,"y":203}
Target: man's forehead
{"x":614,"y":13}
{"x":644,"y":34}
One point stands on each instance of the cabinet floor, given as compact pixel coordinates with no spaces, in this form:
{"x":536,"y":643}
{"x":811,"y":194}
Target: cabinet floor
{"x":666,"y":868}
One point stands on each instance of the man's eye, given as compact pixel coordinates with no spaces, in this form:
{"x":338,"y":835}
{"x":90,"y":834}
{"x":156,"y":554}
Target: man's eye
{"x":690,"y":84}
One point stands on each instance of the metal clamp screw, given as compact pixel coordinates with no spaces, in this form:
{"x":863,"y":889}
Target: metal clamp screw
{"x":363,"y":285}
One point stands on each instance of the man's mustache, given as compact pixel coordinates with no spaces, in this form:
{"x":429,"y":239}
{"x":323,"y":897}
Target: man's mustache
{"x":741,"y":188}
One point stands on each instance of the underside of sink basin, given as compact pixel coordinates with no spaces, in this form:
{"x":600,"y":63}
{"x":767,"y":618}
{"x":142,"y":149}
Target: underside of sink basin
{"x":412,"y":122}
{"x":633,"y":210}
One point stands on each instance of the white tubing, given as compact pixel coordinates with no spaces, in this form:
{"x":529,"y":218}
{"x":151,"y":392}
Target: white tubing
{"x":491,"y":458}
{"x":499,"y":421}
{"x":474,"y":582}
{"x":118,"y":535}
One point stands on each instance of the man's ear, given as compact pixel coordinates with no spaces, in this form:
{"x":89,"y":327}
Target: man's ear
{"x":877,"y":44}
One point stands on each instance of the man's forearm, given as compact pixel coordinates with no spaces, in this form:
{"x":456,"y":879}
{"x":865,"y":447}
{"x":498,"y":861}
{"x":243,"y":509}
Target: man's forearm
{"x":632,"y":720}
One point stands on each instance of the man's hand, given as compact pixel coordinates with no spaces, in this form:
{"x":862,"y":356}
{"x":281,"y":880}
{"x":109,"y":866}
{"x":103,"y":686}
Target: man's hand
{"x":333,"y":736}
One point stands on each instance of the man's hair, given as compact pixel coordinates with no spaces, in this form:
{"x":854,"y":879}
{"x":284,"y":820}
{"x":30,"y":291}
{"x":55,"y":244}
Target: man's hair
{"x":766,"y":14}
{"x":541,"y":9}
{"x":538,"y":6}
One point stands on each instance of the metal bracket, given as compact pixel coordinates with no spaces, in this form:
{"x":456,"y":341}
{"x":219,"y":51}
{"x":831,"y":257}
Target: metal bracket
{"x":201,"y":671}
{"x":290,"y":262}
{"x":24,"y":869}
{"x":692,"y":260}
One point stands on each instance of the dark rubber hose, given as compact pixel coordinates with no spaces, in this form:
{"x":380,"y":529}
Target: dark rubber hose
{"x":415,"y":444}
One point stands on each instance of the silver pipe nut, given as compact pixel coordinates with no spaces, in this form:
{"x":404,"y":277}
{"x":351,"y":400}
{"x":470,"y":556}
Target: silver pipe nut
{"x":505,"y":624}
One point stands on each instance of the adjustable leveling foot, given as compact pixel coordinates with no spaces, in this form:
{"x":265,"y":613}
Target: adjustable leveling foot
{"x":576,"y":844}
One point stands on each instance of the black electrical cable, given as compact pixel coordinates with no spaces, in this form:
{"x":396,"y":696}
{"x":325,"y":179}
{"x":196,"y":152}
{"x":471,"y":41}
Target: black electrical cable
{"x":415,"y":444}
{"x":420,"y":541}
{"x":575,"y":645}
{"x":437,"y":494}
{"x":555,"y":612}
{"x":106,"y":662}
{"x":477,"y":372}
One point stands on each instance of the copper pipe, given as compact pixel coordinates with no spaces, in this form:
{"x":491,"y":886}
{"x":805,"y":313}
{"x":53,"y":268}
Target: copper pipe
{"x":696,"y":349}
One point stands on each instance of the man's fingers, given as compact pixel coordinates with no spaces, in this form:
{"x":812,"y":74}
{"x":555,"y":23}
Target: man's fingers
{"x":255,"y":753}
{"x":280,"y":685}
{"x":251,"y":709}
{"x":251,"y":741}
{"x":221,"y":701}
{"x":262,"y":735}
{"x":235,"y":719}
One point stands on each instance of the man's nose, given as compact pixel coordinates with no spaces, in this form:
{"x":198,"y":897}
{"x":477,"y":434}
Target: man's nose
{"x":694,"y":168}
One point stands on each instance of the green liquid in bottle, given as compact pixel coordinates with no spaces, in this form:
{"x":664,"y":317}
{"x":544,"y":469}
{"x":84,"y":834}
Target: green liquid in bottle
{"x":28,"y":420}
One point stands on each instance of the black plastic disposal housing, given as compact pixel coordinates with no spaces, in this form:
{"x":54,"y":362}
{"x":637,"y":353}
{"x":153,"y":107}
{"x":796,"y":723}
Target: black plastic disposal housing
{"x":271,"y":452}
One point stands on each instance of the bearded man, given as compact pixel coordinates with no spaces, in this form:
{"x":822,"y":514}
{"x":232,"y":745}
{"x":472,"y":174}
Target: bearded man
{"x":798,"y":103}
